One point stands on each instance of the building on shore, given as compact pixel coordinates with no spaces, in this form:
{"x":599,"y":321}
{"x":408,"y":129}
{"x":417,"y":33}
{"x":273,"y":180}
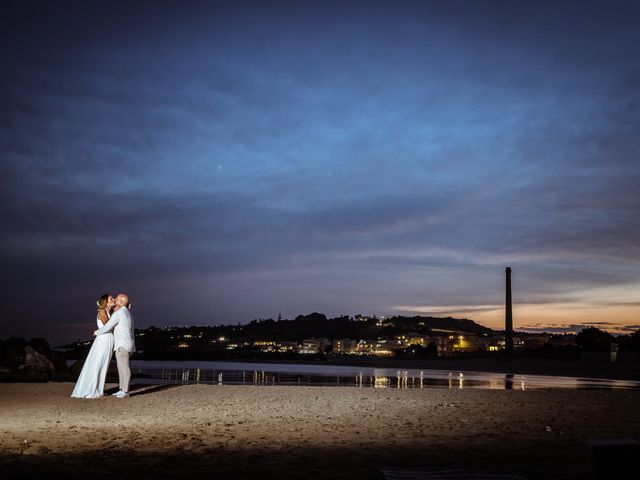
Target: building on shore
{"x":313,"y":345}
{"x":345,"y":346}
{"x":287,"y":346}
{"x":265,"y":345}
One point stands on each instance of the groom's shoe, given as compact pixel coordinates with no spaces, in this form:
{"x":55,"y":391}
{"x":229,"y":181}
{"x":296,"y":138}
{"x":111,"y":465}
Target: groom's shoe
{"x":121,"y":394}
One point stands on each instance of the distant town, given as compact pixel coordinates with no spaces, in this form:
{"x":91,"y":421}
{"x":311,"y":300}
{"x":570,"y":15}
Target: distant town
{"x":316,"y":337}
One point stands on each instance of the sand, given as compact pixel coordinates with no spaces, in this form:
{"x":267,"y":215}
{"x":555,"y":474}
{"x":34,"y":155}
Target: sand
{"x":305,"y":432}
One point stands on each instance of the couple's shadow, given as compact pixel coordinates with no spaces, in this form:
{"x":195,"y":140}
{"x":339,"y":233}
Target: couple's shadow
{"x":139,"y":389}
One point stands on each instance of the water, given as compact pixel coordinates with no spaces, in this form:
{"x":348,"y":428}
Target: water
{"x":235,"y":373}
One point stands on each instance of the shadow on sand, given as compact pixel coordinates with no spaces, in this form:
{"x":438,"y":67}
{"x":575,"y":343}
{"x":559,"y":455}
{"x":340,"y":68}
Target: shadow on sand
{"x":138,"y":389}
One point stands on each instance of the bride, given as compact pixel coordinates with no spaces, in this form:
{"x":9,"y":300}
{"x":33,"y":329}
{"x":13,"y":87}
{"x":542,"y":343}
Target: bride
{"x":90,"y":383}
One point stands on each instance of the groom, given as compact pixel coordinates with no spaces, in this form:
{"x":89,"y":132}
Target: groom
{"x":123,"y":343}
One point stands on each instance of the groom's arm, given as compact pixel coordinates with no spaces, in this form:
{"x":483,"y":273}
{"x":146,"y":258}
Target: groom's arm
{"x":110,"y":325}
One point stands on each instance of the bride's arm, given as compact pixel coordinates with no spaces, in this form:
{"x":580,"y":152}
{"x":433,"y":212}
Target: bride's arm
{"x":107,"y":327}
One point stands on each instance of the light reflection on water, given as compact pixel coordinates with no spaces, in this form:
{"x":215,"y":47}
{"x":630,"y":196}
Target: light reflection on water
{"x":231,"y":373}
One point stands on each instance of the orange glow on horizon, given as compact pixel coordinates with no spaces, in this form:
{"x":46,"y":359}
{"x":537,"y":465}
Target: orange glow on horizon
{"x":613,"y":310}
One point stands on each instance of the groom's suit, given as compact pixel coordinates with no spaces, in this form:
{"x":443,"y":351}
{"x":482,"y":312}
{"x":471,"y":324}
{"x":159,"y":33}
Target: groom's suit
{"x":123,"y":343}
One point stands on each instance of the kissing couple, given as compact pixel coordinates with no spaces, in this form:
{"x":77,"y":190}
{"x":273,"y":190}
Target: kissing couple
{"x":114,"y":334}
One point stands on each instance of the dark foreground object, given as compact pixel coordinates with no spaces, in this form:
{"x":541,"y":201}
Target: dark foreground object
{"x":349,"y":462}
{"x":34,"y":361}
{"x":615,"y":458}
{"x":601,"y":459}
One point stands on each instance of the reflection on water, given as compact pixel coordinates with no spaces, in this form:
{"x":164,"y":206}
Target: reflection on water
{"x":457,"y":381}
{"x":224,"y":373}
{"x":508,"y":381}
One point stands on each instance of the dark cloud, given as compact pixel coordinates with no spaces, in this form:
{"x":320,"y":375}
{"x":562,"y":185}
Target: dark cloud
{"x":228,"y":160}
{"x":569,"y":328}
{"x":613,"y":327}
{"x":630,"y":328}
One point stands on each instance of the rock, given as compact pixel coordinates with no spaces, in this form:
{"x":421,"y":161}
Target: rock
{"x":60,"y":364}
{"x":36,"y":367}
{"x":13,"y":357}
{"x":41,"y":346}
{"x":75,"y":369}
{"x":20,"y":362}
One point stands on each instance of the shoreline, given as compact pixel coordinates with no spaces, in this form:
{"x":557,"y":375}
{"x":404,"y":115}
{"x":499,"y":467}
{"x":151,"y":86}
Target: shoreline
{"x":519,"y":366}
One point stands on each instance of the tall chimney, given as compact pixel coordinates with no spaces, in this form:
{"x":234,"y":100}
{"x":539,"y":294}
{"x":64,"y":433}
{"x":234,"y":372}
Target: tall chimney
{"x":508,"y":318}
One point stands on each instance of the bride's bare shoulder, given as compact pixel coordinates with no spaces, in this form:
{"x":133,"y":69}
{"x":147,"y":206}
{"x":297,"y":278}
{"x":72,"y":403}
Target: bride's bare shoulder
{"x":102,"y":315}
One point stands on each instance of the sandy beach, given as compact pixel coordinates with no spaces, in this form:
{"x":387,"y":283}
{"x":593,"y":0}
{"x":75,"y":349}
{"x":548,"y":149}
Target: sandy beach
{"x":305,"y":432}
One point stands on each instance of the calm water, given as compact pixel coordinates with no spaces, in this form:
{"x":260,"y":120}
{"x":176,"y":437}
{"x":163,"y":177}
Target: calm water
{"x":235,"y":373}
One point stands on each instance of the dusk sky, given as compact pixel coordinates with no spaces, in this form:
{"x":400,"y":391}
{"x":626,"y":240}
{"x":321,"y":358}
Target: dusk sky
{"x":222,"y":162}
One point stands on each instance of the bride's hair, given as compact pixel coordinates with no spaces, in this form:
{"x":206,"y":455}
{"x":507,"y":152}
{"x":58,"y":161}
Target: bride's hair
{"x":102,"y":301}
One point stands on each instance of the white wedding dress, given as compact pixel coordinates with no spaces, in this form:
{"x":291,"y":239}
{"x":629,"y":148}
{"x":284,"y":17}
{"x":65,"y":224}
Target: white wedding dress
{"x":90,"y":383}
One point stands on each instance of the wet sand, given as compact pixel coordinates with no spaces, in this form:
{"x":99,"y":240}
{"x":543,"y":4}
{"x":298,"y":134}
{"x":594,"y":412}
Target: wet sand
{"x":305,"y":432}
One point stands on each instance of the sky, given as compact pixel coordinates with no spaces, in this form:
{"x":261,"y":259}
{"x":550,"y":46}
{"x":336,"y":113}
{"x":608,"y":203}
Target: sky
{"x":225,"y":161}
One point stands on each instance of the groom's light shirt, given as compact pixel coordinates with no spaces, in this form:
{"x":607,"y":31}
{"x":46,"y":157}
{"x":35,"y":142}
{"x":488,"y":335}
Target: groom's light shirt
{"x":122,"y":325}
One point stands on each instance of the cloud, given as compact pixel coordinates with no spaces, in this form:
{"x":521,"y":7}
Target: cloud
{"x":449,"y":309}
{"x":629,"y":328}
{"x":611,"y":327}
{"x":553,"y":328}
{"x":372,"y":158}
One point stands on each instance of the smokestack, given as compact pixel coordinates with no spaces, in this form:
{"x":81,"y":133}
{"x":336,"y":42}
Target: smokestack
{"x":508,"y":317}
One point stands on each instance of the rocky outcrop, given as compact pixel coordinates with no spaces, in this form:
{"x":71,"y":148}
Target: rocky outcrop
{"x":41,"y":346}
{"x":22,"y":361}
